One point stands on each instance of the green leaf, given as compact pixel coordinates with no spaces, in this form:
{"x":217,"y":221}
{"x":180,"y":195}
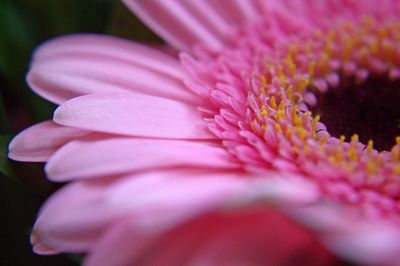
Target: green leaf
{"x":124,"y":24}
{"x":5,"y":166}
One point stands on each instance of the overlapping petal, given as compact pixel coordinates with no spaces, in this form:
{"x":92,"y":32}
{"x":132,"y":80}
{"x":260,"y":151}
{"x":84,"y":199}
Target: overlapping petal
{"x":365,"y":240}
{"x":175,"y":23}
{"x":76,"y":65}
{"x":99,"y":156}
{"x":134,"y":115}
{"x":213,"y":239}
{"x":39,"y":142}
{"x":174,"y":196}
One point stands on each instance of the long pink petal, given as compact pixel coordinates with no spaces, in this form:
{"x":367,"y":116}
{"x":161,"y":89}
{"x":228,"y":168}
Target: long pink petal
{"x":161,"y":194}
{"x":75,"y":65}
{"x":77,"y":216}
{"x":237,"y":12}
{"x":39,"y":142}
{"x":158,"y":193}
{"x":134,"y":115}
{"x":103,"y":156}
{"x":206,"y":13}
{"x":175,"y":23}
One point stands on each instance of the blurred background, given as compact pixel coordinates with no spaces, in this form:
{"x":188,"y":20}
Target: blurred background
{"x":24,"y":25}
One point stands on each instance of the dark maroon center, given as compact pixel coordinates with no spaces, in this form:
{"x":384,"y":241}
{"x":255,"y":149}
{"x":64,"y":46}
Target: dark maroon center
{"x":370,"y":109}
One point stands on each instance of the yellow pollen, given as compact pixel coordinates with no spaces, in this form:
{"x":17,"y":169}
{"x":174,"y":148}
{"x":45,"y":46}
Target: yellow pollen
{"x":352,"y":153}
{"x":396,"y":153}
{"x":314,"y":123}
{"x":289,"y":133}
{"x":278,"y":128}
{"x":388,"y":51}
{"x":347,"y":48}
{"x":311,"y":68}
{"x":374,"y":47}
{"x":302,"y":83}
{"x":272,"y":102}
{"x":282,"y":78}
{"x":280,"y":114}
{"x":364,"y":53}
{"x":383,"y":32}
{"x":354,"y":138}
{"x":297,"y":121}
{"x":331,"y":37}
{"x":263,"y":111}
{"x":324,"y":63}
{"x":290,"y":63}
{"x":302,"y":133}
{"x":328,"y":49}
{"x":371,"y":167}
{"x":292,"y":49}
{"x":289,"y":93}
{"x":396,"y":169}
{"x":370,"y":146}
{"x":338,"y":157}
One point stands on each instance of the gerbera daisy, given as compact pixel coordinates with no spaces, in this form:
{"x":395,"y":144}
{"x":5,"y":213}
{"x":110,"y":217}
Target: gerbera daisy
{"x":274,"y":112}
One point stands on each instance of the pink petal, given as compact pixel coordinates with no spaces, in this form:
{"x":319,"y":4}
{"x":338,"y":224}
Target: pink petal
{"x":175,"y":23}
{"x":39,"y":142}
{"x":348,"y":233}
{"x":118,"y":246}
{"x":237,"y":11}
{"x":92,"y":157}
{"x":256,"y":236}
{"x":134,"y":115}
{"x":75,"y":65}
{"x":77,"y":216}
{"x":158,"y":191}
{"x":206,"y":13}
{"x":71,"y":220}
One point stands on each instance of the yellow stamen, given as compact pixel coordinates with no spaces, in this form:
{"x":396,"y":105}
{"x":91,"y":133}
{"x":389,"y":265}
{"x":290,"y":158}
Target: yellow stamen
{"x":272,"y":102}
{"x":302,"y":83}
{"x":263,"y":111}
{"x":371,"y":167}
{"x":311,"y":68}
{"x":278,"y":128}
{"x":370,"y":146}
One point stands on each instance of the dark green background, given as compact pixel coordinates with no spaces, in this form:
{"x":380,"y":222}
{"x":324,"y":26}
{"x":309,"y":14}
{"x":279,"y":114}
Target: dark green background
{"x":24,"y":24}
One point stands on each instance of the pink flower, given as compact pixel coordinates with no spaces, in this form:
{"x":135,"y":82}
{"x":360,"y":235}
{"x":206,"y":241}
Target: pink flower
{"x":218,"y":157}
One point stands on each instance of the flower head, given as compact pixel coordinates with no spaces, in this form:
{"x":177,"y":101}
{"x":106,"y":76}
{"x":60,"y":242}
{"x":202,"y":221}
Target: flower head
{"x":286,"y":105}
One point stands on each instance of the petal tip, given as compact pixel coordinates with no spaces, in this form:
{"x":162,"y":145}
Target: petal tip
{"x":40,"y":248}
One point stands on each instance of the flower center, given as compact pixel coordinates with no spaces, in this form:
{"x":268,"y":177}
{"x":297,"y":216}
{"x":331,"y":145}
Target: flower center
{"x":327,"y":106}
{"x":321,"y":102}
{"x":370,"y":109}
